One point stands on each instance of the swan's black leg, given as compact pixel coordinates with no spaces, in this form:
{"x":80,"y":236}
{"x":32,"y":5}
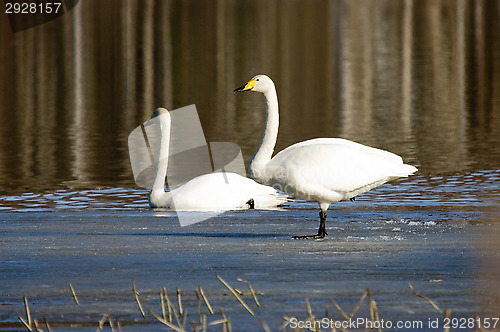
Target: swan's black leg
{"x":322,"y":224}
{"x":321,"y":231}
{"x":251,"y":203}
{"x":353,"y":199}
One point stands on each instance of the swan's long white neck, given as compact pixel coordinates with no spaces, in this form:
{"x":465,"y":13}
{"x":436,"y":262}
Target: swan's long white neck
{"x":265,"y":151}
{"x":158,"y":197}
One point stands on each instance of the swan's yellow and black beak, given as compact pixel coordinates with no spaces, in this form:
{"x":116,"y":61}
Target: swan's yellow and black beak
{"x":246,"y":87}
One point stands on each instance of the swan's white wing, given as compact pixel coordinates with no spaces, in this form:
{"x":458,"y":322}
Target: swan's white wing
{"x":224,"y":191}
{"x":329,"y":169}
{"x":345,"y":143}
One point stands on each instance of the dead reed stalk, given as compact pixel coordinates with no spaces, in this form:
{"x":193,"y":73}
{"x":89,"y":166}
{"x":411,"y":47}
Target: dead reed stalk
{"x":236,"y":295}
{"x":425,"y":298}
{"x":136,"y":294}
{"x":74,"y":295}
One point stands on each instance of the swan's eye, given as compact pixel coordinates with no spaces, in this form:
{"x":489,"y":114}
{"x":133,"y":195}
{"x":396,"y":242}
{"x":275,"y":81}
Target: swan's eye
{"x":257,"y":80}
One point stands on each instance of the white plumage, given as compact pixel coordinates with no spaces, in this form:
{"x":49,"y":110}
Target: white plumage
{"x":209,"y":192}
{"x":322,"y":170}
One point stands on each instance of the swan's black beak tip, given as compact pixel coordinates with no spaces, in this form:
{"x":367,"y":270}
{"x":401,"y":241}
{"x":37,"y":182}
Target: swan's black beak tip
{"x":240,"y":89}
{"x":247,"y":87}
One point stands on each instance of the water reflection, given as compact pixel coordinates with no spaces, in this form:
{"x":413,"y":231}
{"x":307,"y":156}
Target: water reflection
{"x":121,"y":199}
{"x":477,"y":191}
{"x":420,"y":78}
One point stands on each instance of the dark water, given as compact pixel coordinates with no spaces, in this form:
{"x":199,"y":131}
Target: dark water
{"x":419,"y":78}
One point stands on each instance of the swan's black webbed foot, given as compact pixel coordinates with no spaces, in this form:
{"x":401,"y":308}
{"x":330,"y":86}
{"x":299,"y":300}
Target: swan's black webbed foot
{"x":353,"y":199}
{"x":310,"y":237}
{"x":251,"y":203}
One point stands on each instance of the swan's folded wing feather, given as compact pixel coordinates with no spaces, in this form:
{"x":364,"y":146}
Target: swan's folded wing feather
{"x":337,"y":165}
{"x":224,"y":191}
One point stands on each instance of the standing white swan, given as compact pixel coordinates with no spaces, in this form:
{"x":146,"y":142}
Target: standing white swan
{"x":208,"y":192}
{"x":322,"y":170}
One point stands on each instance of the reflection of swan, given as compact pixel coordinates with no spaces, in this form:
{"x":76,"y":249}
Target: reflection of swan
{"x":208,"y":192}
{"x":322,"y":170}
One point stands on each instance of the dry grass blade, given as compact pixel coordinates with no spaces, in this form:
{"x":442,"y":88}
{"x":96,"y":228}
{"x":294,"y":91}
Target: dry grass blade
{"x":74,"y":295}
{"x":179,"y":302}
{"x":37,"y":326}
{"x":194,"y":326}
{"x":286,"y":321}
{"x":447,"y":314}
{"x":169,"y":305}
{"x":339,"y":308}
{"x":101,"y":322}
{"x":214,"y":322}
{"x":311,"y":317}
{"x":111,"y":324}
{"x":47,"y":324}
{"x":372,"y":317}
{"x":236,"y":295}
{"x":251,"y":291}
{"x":264,"y":325}
{"x":136,"y":294}
{"x":162,"y":301}
{"x":247,"y":293}
{"x":490,"y":302}
{"x":199,"y":303}
{"x":309,"y":310}
{"x":239,"y":292}
{"x":171,"y":310}
{"x":184,"y":320}
{"x":28,"y":323}
{"x":227,"y":326}
{"x":425,"y":298}
{"x":203,"y":320}
{"x":25,"y":324}
{"x":356,"y":308}
{"x":374,"y":313}
{"x":167,"y":323}
{"x":372,"y":306}
{"x":28,"y":314}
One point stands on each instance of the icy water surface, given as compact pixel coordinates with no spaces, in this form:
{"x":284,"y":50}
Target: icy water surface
{"x":432,"y":232}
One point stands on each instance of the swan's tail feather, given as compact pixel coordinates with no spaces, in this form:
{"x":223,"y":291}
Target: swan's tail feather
{"x":406,"y":170}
